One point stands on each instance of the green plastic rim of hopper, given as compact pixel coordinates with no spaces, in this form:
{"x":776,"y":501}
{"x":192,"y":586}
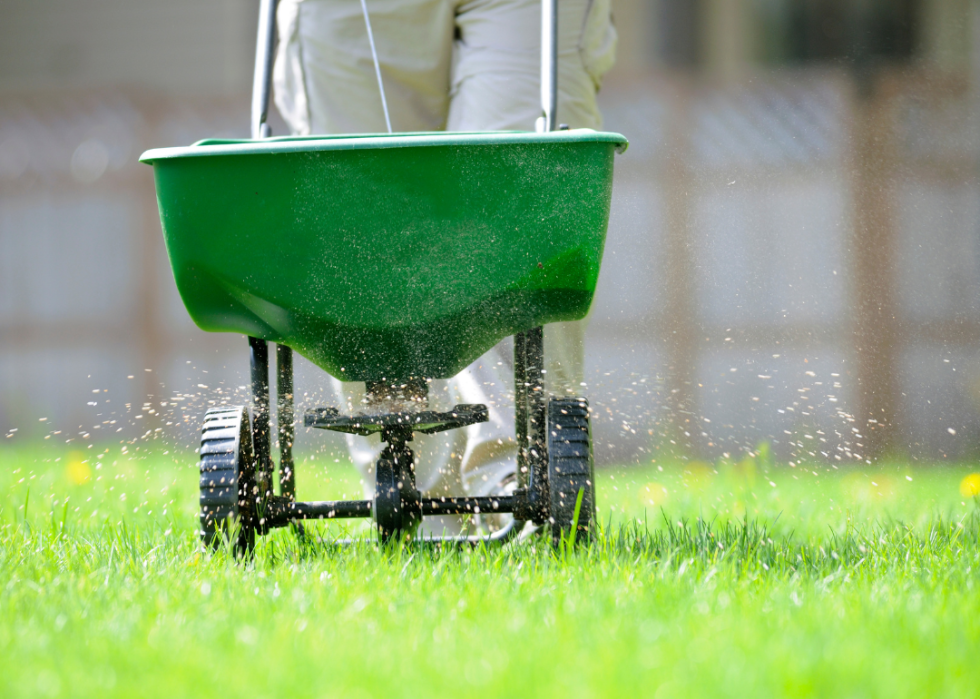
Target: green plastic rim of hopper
{"x":387,"y":256}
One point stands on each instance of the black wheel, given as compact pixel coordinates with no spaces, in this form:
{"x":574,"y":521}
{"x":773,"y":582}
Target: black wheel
{"x":397,"y":509}
{"x":570,"y":468}
{"x":387,"y":508}
{"x":227,"y":479}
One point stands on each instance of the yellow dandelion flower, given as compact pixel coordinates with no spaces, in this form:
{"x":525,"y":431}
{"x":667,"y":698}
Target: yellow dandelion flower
{"x":77,"y":469}
{"x":970,"y":486}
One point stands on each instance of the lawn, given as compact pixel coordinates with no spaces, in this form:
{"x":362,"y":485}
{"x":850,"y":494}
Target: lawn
{"x":732,"y":579}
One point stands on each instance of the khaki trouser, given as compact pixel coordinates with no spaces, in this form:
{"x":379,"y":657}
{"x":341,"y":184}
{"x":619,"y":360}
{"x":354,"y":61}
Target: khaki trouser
{"x":458,"y":65}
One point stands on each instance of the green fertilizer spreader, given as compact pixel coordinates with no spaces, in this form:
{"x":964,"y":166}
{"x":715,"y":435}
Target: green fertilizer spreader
{"x":387,"y":257}
{"x":390,"y":260}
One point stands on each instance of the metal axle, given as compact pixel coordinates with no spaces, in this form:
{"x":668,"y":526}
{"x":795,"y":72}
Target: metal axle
{"x":281,"y":512}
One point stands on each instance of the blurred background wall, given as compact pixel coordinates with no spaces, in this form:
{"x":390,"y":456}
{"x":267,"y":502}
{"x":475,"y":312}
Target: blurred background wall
{"x":793,"y":254}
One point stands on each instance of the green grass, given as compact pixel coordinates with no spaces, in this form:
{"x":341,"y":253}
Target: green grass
{"x":734,"y":580}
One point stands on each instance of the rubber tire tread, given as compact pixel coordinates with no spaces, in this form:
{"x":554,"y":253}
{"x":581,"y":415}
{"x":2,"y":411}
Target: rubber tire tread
{"x":226,"y":477}
{"x":570,"y":468}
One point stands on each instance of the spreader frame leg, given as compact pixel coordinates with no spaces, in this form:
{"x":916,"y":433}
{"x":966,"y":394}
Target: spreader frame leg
{"x":284,"y":421}
{"x":259,"y":363}
{"x":530,"y":423}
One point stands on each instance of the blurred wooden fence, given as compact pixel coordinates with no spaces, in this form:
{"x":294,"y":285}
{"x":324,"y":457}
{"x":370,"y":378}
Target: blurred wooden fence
{"x":791,"y":259}
{"x":799,"y":257}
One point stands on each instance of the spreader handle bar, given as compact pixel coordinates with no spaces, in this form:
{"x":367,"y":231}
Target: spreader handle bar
{"x":549,"y":66}
{"x":262,"y":80}
{"x":510,"y":531}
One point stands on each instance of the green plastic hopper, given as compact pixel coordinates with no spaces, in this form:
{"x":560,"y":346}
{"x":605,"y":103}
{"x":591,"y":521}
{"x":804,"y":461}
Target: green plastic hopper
{"x":387,"y":256}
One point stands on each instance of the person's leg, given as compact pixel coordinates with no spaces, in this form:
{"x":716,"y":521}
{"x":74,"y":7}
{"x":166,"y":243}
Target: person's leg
{"x":325,"y":82}
{"x":496,"y":86}
{"x":496,"y":80}
{"x":324,"y":75}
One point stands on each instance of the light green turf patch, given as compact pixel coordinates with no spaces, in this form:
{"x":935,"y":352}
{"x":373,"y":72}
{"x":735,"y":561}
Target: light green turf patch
{"x":752,"y":581}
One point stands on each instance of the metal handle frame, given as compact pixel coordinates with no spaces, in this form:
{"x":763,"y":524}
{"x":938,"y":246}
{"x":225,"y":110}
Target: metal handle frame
{"x":529,"y":388}
{"x":549,"y":66}
{"x":259,"y":349}
{"x":262,"y":78}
